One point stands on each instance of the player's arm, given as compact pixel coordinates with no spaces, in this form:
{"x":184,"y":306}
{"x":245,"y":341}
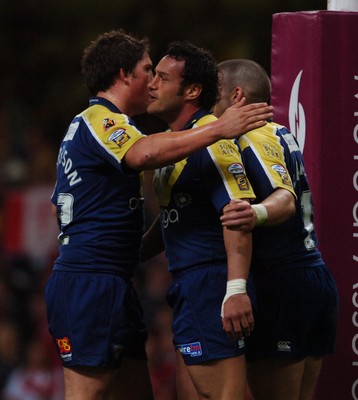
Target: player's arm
{"x":237,"y":316}
{"x":152,"y":242}
{"x":277,"y":208}
{"x":165,"y":148}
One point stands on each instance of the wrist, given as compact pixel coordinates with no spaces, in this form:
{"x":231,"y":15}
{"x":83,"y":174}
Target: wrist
{"x":260,"y":214}
{"x":234,"y":286}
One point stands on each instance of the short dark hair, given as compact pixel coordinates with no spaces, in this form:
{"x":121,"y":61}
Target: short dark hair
{"x":105,"y":56}
{"x":200,"y":67}
{"x":248,"y":74}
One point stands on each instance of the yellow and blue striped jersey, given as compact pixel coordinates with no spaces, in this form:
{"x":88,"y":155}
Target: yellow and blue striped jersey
{"x":99,"y":201}
{"x":273,"y":160}
{"x":192,"y":194}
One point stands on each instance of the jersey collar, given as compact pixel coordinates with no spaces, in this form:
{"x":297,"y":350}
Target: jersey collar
{"x":104,"y":102}
{"x":195,"y":117}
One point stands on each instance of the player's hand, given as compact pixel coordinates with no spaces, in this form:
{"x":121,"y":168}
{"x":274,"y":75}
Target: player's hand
{"x":238,"y":320}
{"x":240,"y":118}
{"x":238,"y":215}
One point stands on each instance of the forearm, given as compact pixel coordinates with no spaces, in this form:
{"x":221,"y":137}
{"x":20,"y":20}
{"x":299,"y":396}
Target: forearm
{"x":238,"y":245}
{"x":158,"y":150}
{"x":280,"y":206}
{"x":236,"y":310}
{"x":165,"y":148}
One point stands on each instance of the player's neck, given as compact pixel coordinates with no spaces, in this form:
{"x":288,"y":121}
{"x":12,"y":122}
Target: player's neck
{"x":113,"y":98}
{"x":178,"y":122}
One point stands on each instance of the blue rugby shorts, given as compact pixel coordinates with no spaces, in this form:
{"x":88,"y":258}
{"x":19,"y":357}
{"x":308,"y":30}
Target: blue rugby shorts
{"x":95,"y":319}
{"x":297,"y":311}
{"x":196,"y":296}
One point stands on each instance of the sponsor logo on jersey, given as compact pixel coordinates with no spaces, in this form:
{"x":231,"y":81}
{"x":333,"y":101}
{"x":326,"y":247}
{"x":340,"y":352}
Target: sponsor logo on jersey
{"x":108,"y":123}
{"x":281,"y":170}
{"x":238,"y":171}
{"x":191,"y":349}
{"x":241,"y":343}
{"x":269,"y":150}
{"x":182,"y":200}
{"x":119,"y":137}
{"x":227,"y":148}
{"x":64,"y":347}
{"x":169,"y":216}
{"x":284,"y":345}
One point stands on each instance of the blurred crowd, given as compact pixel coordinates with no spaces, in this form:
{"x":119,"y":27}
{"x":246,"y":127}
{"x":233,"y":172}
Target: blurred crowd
{"x":29,"y":365}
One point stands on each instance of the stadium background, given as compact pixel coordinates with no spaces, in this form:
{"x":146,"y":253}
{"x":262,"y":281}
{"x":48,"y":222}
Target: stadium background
{"x":41,"y":44}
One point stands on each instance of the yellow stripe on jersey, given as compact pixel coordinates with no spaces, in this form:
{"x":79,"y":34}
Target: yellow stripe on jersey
{"x":111,"y":130}
{"x":266,"y":146}
{"x":165,"y":178}
{"x":227,"y":159}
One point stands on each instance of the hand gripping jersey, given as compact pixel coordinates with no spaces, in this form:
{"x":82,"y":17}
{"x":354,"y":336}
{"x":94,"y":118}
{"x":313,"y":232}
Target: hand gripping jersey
{"x":272,"y":159}
{"x":192,"y":194}
{"x":99,"y":202}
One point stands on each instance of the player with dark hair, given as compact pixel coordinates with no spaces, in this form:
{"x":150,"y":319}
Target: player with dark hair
{"x":295,"y":323}
{"x":94,"y":315}
{"x":211,"y":308}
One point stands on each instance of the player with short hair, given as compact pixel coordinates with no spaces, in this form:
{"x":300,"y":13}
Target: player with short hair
{"x":93,"y":312}
{"x":295,"y":323}
{"x":211,"y":308}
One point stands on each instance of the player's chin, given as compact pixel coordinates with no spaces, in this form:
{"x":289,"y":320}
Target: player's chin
{"x":152,"y":108}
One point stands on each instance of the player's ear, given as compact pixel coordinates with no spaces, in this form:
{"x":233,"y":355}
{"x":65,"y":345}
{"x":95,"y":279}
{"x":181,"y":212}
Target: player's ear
{"x":237,"y":94}
{"x":193,"y":91}
{"x":123,"y":76}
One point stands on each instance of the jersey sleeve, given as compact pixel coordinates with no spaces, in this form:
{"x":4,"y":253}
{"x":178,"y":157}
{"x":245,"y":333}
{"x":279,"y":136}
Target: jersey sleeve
{"x":227,"y":179}
{"x":264,"y":160}
{"x":113,"y":132}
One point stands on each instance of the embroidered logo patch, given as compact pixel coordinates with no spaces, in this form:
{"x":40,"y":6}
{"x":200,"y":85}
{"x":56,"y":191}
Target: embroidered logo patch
{"x":284,"y":345}
{"x":119,"y":137}
{"x":282,"y":172}
{"x":64,"y":347}
{"x":191,"y":349}
{"x":238,"y":171}
{"x":108,"y":123}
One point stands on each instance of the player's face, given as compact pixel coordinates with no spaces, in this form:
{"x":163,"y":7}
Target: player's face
{"x":166,"y":97}
{"x":142,"y":75}
{"x":225,"y":100}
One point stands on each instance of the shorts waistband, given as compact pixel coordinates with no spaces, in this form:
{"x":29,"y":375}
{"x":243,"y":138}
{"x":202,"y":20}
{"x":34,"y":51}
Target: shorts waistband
{"x":182,"y":272}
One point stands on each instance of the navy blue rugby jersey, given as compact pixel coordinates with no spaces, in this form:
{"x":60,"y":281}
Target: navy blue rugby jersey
{"x":273,"y":160}
{"x":192,"y":194}
{"x":99,"y":201}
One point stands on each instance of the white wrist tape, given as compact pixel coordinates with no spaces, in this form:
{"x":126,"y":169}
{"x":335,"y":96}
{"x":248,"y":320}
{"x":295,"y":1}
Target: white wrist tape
{"x":235,"y":286}
{"x":261,"y":214}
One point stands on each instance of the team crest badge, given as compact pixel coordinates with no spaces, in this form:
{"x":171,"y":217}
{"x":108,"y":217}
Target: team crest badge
{"x":108,"y":123}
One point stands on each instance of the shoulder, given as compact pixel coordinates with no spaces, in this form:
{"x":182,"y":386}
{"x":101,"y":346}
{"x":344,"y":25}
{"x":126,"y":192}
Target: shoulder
{"x":206,"y":119}
{"x":101,"y":117}
{"x":110,"y":126}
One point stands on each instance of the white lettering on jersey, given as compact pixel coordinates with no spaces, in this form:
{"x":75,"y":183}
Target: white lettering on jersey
{"x":67,"y":164}
{"x":170,"y":217}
